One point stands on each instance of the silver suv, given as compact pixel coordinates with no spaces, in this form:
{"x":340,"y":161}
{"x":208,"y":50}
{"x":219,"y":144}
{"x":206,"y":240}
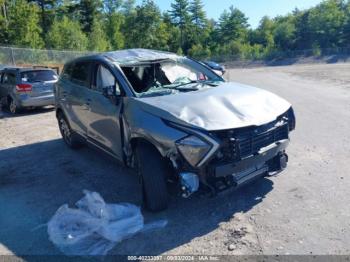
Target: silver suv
{"x":26,"y":87}
{"x":172,"y":119}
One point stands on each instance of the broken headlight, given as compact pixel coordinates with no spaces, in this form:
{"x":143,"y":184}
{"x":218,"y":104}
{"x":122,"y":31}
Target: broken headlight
{"x":291,"y":119}
{"x":193,"y":149}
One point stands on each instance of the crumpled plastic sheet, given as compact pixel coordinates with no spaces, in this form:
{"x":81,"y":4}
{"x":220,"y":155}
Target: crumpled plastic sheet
{"x":94,"y":227}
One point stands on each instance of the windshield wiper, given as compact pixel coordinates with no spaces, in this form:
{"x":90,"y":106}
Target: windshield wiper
{"x":181,"y":86}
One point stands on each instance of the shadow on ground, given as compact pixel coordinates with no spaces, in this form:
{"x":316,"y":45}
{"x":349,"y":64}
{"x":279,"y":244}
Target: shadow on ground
{"x":36,"y":179}
{"x":4,"y":113}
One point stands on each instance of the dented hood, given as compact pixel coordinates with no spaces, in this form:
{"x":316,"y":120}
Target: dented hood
{"x":227,"y":106}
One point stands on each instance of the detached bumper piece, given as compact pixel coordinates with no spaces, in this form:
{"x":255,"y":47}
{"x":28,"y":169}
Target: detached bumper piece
{"x":269,"y":160}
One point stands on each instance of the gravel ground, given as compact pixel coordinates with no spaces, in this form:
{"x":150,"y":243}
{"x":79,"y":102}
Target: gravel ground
{"x":305,"y":210}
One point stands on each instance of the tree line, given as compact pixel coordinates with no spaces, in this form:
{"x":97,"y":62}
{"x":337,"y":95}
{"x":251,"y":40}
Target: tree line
{"x":102,"y":25}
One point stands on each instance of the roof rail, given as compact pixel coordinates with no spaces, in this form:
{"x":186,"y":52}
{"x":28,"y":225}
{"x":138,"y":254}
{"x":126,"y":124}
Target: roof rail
{"x":7,"y":68}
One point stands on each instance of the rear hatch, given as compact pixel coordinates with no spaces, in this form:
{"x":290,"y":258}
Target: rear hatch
{"x":41,"y":81}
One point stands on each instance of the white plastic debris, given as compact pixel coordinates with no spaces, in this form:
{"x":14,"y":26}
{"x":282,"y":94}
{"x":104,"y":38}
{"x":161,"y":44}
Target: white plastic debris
{"x":95,"y":227}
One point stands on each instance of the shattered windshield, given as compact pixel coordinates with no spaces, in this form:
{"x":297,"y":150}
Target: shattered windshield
{"x":169,"y":76}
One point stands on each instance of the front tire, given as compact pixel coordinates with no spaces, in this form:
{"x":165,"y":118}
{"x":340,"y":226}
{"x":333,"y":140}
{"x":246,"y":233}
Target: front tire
{"x":152,"y":170}
{"x":67,"y":134}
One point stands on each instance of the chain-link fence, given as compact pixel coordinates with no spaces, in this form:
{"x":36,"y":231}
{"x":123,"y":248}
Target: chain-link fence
{"x":275,"y":55}
{"x":52,"y":58}
{"x":12,"y":56}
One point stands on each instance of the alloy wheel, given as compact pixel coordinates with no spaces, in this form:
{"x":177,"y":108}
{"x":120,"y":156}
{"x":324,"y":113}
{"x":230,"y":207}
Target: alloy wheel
{"x":65,"y":130}
{"x":13,"y":107}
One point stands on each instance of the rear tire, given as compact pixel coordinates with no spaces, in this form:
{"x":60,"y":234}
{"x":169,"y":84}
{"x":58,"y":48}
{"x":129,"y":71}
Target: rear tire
{"x":12,"y":106}
{"x":68,"y":135}
{"x":152,"y":170}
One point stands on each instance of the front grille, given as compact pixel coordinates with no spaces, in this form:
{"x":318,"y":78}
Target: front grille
{"x":244,"y":142}
{"x":253,"y":142}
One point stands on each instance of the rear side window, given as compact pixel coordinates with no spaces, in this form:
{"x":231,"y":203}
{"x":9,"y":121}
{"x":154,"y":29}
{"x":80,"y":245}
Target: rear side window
{"x":80,"y":74}
{"x":9,"y":78}
{"x":38,"y":76}
{"x":67,"y":71}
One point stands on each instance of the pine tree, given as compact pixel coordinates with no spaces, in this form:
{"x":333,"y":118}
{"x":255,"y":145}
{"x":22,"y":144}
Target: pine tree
{"x":199,"y":24}
{"x":180,"y":16}
{"x":198,"y":15}
{"x":233,"y":25}
{"x":146,"y":28}
{"x":88,"y":12}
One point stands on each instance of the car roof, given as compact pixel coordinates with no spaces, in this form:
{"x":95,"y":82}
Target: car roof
{"x":131,"y":56}
{"x":211,"y":62}
{"x":25,"y":69}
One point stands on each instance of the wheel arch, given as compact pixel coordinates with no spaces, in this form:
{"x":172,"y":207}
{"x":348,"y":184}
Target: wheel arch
{"x":59,"y":111}
{"x":135,"y":141}
{"x":8,"y":97}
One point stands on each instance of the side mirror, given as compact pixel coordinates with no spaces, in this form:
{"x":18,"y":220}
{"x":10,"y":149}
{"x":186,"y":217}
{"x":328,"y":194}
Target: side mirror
{"x":111,"y":93}
{"x":108,"y":91}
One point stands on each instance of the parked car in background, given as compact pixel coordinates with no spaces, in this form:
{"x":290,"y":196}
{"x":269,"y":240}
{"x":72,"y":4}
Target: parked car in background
{"x":217,"y":68}
{"x":26,"y":87}
{"x":172,"y":119}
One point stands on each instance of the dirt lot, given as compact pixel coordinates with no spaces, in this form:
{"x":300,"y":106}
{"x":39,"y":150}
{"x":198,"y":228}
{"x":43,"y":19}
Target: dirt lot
{"x":305,"y":210}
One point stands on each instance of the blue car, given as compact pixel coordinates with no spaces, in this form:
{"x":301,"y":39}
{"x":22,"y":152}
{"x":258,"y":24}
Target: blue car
{"x":217,"y":68}
{"x":26,"y":87}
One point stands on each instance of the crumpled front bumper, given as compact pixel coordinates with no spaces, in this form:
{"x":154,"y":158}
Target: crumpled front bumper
{"x":268,"y":160}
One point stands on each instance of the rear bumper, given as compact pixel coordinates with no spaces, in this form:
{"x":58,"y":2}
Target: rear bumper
{"x":36,"y":101}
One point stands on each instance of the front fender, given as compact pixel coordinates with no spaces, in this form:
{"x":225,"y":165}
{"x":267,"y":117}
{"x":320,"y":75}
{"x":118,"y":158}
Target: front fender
{"x":138,"y":124}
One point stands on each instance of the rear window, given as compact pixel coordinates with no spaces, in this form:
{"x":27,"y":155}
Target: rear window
{"x":38,"y":76}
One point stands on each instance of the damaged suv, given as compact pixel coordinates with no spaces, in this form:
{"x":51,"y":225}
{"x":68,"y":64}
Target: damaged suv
{"x":173,"y":120}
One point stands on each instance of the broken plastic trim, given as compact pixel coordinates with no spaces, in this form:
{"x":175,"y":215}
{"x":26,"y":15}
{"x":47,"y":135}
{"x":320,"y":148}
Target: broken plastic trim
{"x":214,"y":145}
{"x":146,"y":62}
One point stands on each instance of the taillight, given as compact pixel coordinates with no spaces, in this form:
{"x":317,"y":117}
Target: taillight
{"x":24,"y":88}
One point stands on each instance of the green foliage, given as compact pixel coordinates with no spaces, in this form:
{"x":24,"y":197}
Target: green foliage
{"x":326,"y":22}
{"x":199,"y":28}
{"x":199,"y":52}
{"x":102,"y":25}
{"x":88,"y":11}
{"x":233,"y":25}
{"x":47,"y":10}
{"x":316,"y":50}
{"x":264,"y":33}
{"x":146,"y":29}
{"x":284,"y":34}
{"x":180,"y":13}
{"x":345,"y":39}
{"x":97,"y":38}
{"x":181,"y":18}
{"x":23,"y":24}
{"x":3,"y":23}
{"x":66,"y":34}
{"x":114,"y":25}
